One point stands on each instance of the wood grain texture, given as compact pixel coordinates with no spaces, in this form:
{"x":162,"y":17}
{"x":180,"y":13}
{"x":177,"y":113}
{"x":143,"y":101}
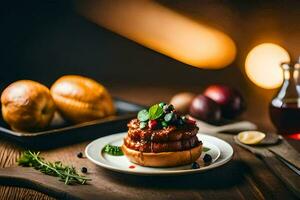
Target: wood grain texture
{"x":8,"y":193}
{"x":245,"y":177}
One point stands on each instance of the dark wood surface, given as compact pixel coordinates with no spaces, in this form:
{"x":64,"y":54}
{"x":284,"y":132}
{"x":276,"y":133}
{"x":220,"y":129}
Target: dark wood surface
{"x":245,"y":177}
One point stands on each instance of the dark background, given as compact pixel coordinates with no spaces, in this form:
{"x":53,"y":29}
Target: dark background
{"x":43,"y":40}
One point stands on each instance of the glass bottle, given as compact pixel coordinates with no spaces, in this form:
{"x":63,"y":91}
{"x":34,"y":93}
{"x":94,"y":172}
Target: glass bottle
{"x":284,"y":109}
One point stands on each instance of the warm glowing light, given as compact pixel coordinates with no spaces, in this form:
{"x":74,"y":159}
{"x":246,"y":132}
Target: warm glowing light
{"x":163,"y":30}
{"x":263,"y":65}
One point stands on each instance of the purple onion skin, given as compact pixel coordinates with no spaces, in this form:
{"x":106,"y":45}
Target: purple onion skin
{"x":205,"y":109}
{"x":230,"y":100}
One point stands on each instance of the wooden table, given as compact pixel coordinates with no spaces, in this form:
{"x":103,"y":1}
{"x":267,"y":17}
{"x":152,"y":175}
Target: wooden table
{"x":245,"y":177}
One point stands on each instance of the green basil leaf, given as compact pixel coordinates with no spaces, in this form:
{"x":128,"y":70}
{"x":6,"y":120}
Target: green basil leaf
{"x":205,"y":149}
{"x":143,"y":115}
{"x":155,"y":112}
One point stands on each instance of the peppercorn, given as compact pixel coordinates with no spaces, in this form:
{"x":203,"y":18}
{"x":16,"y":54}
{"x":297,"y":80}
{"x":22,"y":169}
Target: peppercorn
{"x":80,"y":155}
{"x":84,"y":170}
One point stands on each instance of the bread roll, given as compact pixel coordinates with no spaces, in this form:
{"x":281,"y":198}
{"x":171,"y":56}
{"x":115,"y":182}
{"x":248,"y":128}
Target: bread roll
{"x":27,"y":106}
{"x":163,"y":159}
{"x":80,"y":99}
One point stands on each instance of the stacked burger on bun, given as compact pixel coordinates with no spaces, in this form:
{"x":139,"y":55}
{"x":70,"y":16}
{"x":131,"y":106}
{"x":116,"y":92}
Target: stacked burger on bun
{"x":159,"y":137}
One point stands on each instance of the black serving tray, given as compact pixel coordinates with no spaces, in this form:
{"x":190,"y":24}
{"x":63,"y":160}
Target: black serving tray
{"x":64,"y":133}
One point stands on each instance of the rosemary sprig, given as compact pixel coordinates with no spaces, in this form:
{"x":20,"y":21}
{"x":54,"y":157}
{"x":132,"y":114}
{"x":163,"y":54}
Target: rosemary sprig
{"x":65,"y":173}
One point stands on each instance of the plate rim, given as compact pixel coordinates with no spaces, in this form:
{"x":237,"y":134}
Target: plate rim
{"x":161,"y":173}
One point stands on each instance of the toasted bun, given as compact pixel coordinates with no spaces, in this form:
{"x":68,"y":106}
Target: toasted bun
{"x":164,"y":159}
{"x":27,"y":106}
{"x":80,"y":99}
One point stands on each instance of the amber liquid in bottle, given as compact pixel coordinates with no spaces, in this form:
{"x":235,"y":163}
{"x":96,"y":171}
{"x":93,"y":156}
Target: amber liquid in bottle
{"x":284,"y":109}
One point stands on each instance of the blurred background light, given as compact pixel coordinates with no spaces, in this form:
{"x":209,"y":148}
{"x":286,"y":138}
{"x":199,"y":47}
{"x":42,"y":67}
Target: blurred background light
{"x":262,"y":65}
{"x":163,"y":30}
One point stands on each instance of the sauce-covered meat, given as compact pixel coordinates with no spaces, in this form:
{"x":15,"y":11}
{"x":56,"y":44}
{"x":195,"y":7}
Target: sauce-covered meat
{"x":167,"y":139}
{"x":170,"y":133}
{"x":156,"y":147}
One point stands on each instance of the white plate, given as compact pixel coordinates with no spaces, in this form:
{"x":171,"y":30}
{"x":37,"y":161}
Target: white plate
{"x":220,"y":151}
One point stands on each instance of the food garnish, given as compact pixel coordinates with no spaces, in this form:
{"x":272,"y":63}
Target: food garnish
{"x":162,"y":115}
{"x":195,"y":165}
{"x":67,"y":174}
{"x":205,"y":149}
{"x":207,"y":159}
{"x":155,"y":111}
{"x":113,"y":150}
{"x":143,"y":115}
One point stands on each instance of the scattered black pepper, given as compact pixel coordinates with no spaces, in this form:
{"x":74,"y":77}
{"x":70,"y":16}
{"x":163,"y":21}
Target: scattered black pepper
{"x":84,"y":170}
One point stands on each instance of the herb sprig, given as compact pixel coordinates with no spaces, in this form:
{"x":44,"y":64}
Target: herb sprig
{"x":113,"y":150}
{"x":162,"y":115}
{"x":65,"y":173}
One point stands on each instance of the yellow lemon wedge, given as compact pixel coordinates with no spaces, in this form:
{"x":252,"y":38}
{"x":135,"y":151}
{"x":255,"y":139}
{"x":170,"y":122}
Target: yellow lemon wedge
{"x":251,"y":137}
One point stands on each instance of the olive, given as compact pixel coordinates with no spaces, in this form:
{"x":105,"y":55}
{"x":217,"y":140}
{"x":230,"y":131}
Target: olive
{"x":207,"y":159}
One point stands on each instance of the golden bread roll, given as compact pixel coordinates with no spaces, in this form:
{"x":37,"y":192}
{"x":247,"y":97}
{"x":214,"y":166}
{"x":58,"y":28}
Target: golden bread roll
{"x":27,"y":106}
{"x":163,"y":159}
{"x":80,"y":99}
